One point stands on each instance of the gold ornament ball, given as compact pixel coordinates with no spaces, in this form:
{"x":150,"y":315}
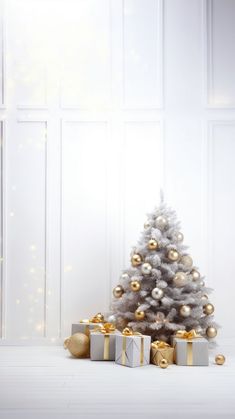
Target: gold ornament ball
{"x":179,"y":236}
{"x":139,"y":315}
{"x":135,"y":286}
{"x":187,"y":261}
{"x":173,"y":255}
{"x":161,"y":222}
{"x":163,"y":363}
{"x":185,"y":310}
{"x":118,"y":291}
{"x":78,"y":345}
{"x":211,"y":332}
{"x":220,"y":359}
{"x":195,"y":275}
{"x":152,"y":244}
{"x":146,"y":268}
{"x":136,"y":260}
{"x":180,"y":279}
{"x":208,"y":309}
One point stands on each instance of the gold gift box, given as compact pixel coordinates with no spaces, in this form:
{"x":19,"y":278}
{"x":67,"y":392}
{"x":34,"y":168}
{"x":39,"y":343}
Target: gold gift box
{"x":161,"y":350}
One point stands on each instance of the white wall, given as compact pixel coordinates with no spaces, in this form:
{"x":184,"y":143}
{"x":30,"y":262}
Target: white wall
{"x":102,"y":103}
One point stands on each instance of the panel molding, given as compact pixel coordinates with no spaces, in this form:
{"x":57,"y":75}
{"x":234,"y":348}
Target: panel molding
{"x":208,"y":58}
{"x":3,"y":67}
{"x":2,"y":233}
{"x":160,"y":60}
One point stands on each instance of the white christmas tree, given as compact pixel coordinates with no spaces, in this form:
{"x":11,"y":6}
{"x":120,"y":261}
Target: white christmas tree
{"x":162,"y":291}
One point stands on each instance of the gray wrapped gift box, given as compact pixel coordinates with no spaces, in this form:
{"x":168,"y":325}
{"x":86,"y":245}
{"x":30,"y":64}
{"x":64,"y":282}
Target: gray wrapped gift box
{"x":132,"y":351}
{"x":84,"y":327}
{"x":102,"y":346}
{"x":191,"y":351}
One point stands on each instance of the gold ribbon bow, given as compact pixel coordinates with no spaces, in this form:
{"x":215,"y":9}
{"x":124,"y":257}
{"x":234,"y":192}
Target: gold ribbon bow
{"x":192,"y":334}
{"x":160,"y":344}
{"x":189,"y":336}
{"x":129,"y":332}
{"x":98,"y":318}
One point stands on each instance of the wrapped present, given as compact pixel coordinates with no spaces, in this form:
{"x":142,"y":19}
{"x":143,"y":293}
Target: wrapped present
{"x":190,"y":348}
{"x":86,"y":325}
{"x":102,"y":343}
{"x":161,"y":350}
{"x":132,"y":348}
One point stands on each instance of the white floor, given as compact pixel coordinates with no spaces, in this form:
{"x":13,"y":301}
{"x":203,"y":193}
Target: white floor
{"x":44,"y":382}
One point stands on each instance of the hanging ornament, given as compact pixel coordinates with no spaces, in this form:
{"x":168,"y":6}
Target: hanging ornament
{"x":173,"y":255}
{"x":199,"y":330}
{"x":195,"y":274}
{"x":187,"y":261}
{"x":185,"y":310}
{"x":180,"y":279}
{"x":220,"y":359}
{"x":208,"y":309}
{"x":157,"y":293}
{"x":202,"y":283}
{"x":161,"y":222}
{"x":124,"y":277}
{"x":146,"y":268}
{"x":136,"y":260}
{"x":179,"y":237}
{"x":163,"y":363}
{"x":135,"y":286}
{"x":78,"y":345}
{"x":112,"y":319}
{"x":139,"y":314}
{"x":118,"y":291}
{"x":211,"y":332}
{"x":147,"y":224}
{"x":152,"y":244}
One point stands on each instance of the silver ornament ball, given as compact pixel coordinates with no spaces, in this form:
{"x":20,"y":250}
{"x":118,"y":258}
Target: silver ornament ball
{"x":157,"y":293}
{"x":112,"y":319}
{"x":161,"y":222}
{"x":180,"y":279}
{"x":187,"y":261}
{"x":146,"y":268}
{"x":185,"y":310}
{"x":179,"y":236}
{"x":125,"y":276}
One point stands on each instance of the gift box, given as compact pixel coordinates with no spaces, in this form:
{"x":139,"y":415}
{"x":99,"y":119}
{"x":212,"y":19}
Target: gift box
{"x":161,"y":350}
{"x":102,"y":343}
{"x":132,"y":349}
{"x":86,"y":325}
{"x":190,"y":348}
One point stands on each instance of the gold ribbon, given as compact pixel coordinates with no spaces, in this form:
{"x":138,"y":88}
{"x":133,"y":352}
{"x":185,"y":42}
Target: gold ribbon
{"x":128,"y":332}
{"x":106,"y":329}
{"x":160,"y":344}
{"x":192,"y":334}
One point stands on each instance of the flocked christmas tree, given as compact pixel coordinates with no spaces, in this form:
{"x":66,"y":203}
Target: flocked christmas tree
{"x":162,"y":291}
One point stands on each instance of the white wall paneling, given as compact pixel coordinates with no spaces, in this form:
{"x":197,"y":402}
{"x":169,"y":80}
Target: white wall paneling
{"x":103,"y":107}
{"x":220,"y":60}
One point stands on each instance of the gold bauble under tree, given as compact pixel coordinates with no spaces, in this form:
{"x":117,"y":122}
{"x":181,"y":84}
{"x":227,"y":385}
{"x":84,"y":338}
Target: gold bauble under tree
{"x":220,"y":359}
{"x":152,"y":244}
{"x":208,"y":309}
{"x":187,"y":261}
{"x":180,"y":279}
{"x":195,"y":274}
{"x":135,"y":286}
{"x":139,"y":314}
{"x":211,"y":332}
{"x":163,"y":363}
{"x":118,"y":291}
{"x":136,"y":260}
{"x":173,"y":255}
{"x":78,"y":345}
{"x":185,"y":310}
